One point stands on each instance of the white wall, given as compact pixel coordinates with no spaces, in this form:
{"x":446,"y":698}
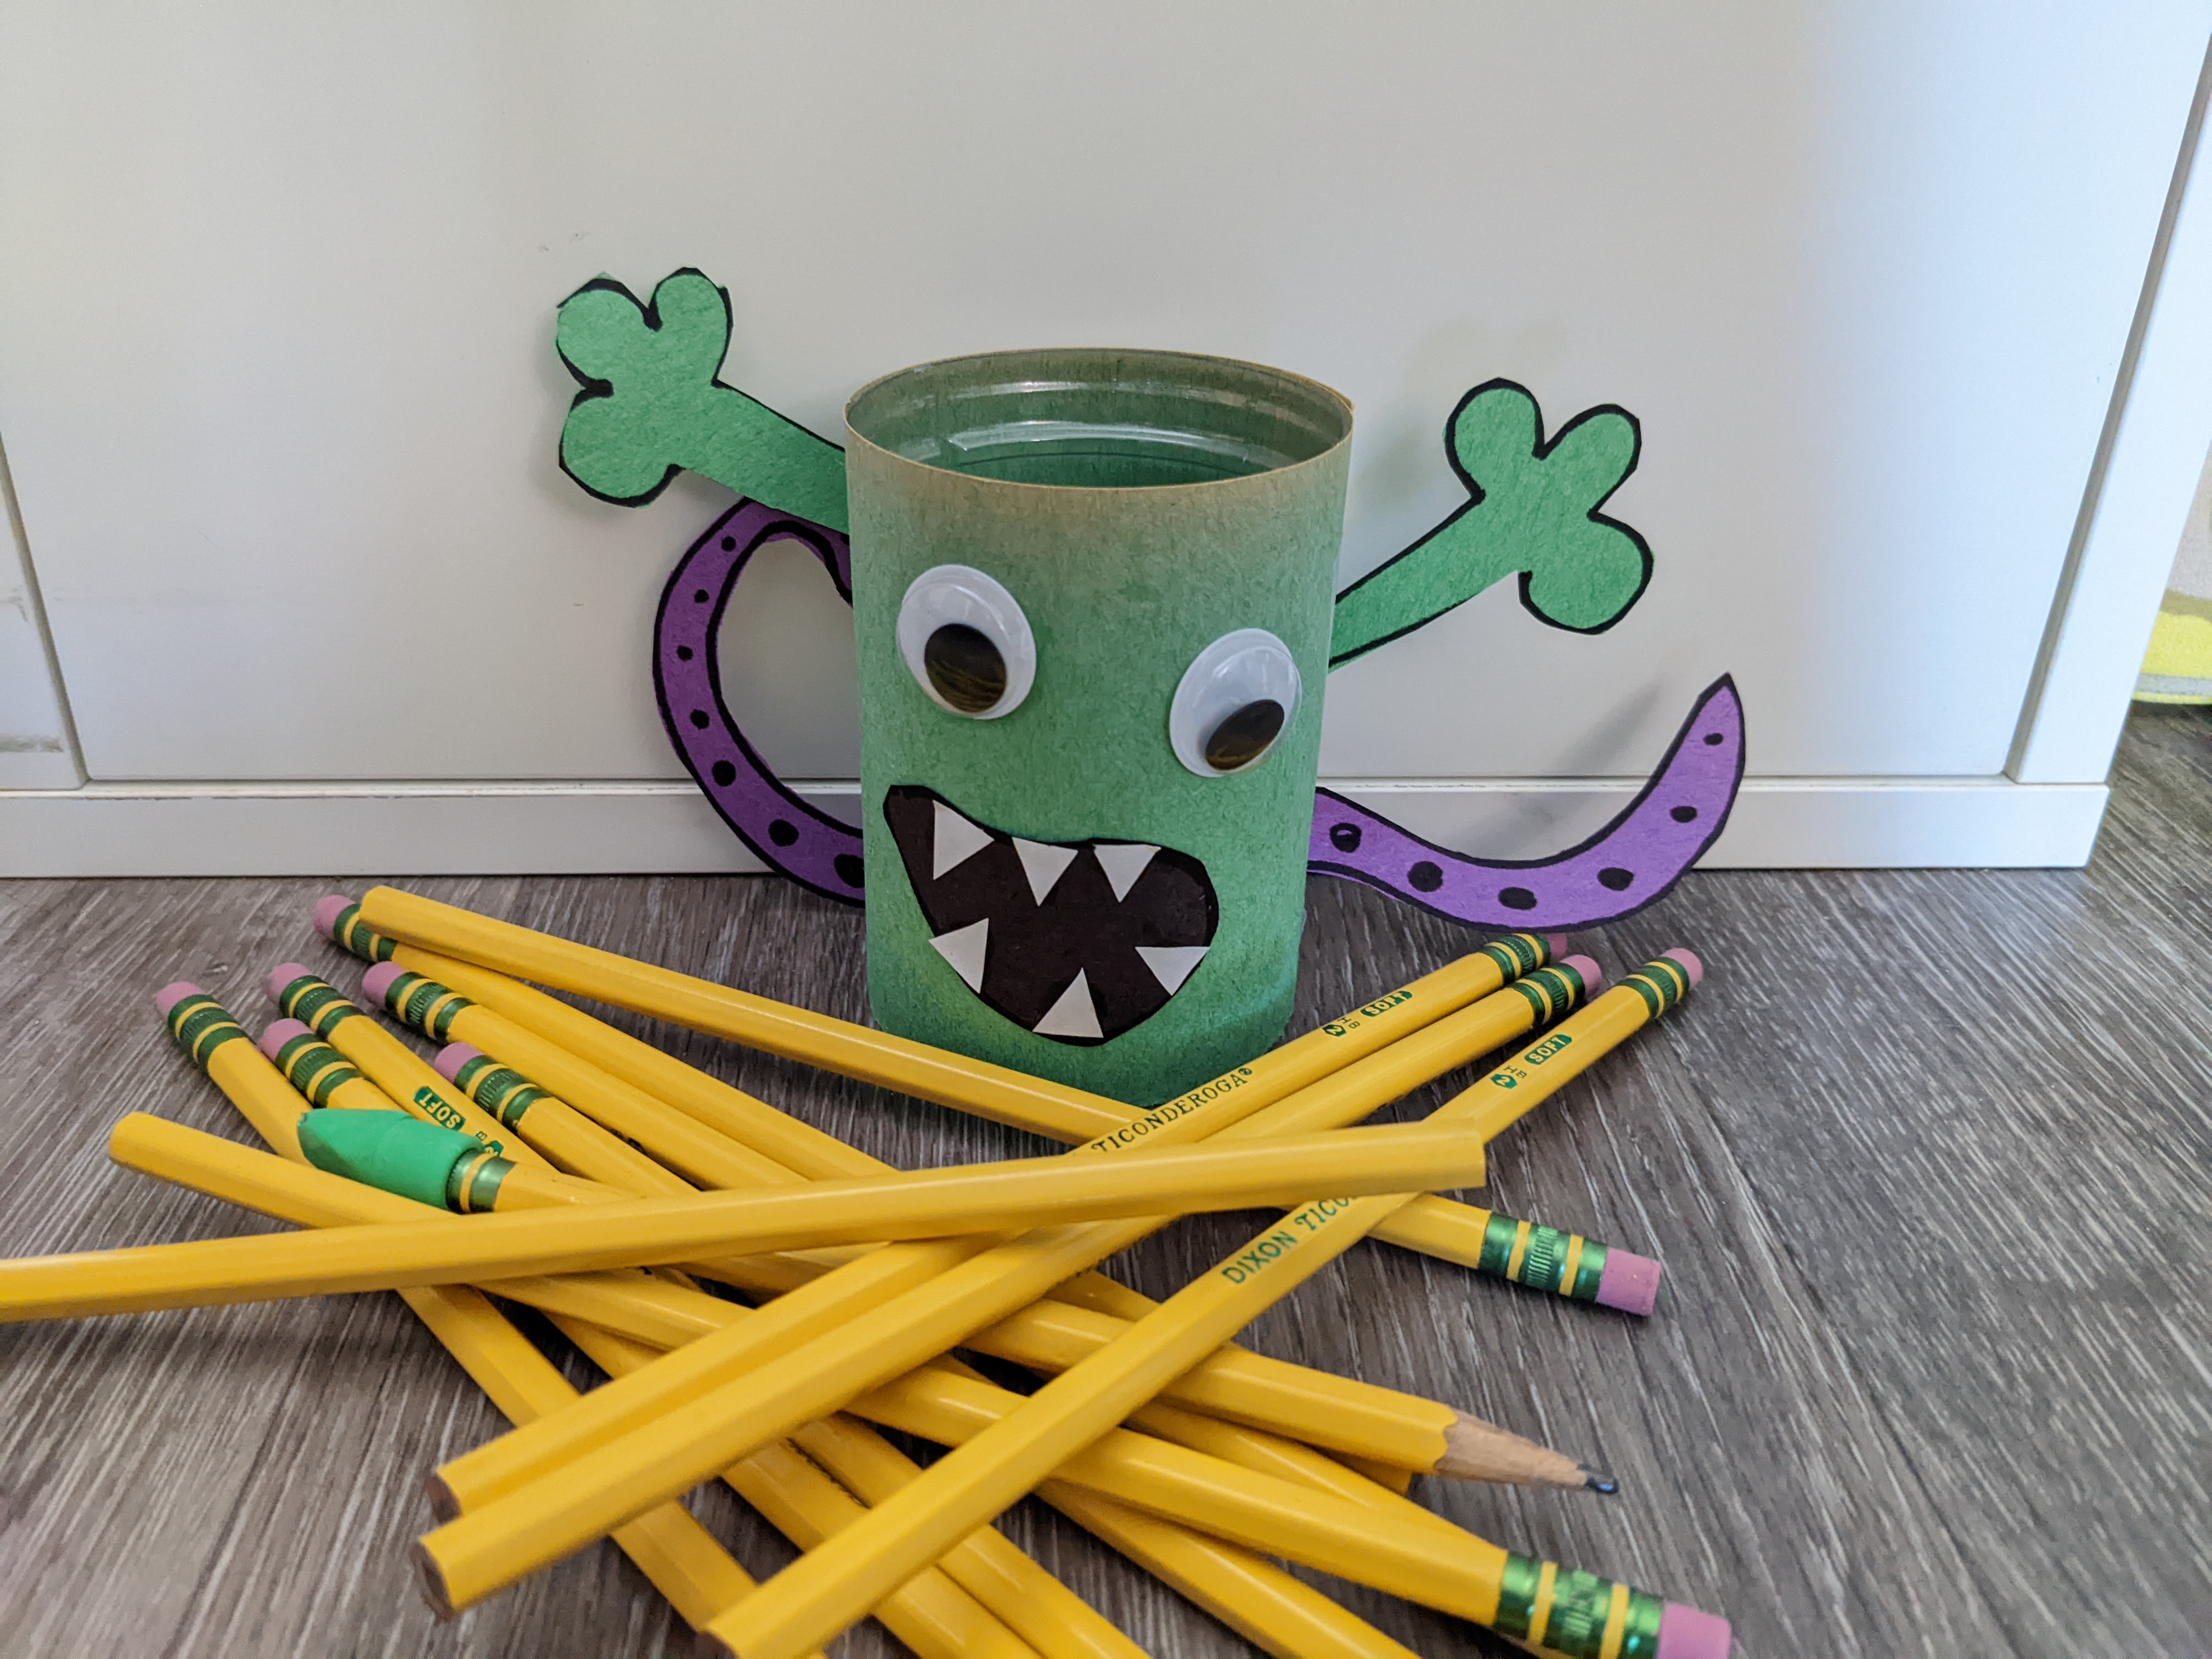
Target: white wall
{"x":277,"y":286}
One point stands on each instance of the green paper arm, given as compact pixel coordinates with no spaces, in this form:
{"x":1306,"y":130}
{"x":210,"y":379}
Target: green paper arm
{"x":651,"y":406}
{"x":1534,"y":509}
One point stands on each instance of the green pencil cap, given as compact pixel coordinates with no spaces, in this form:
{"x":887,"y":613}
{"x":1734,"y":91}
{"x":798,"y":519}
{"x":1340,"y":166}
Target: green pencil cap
{"x":388,"y":1149}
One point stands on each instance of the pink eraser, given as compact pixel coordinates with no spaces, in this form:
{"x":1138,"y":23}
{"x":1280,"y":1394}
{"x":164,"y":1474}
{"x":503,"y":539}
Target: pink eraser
{"x":378,"y":980}
{"x":1556,"y":944}
{"x":283,"y":974}
{"x":1593,"y":976}
{"x":327,"y":911}
{"x":1630,"y":1283}
{"x":170,"y":995}
{"x":1685,"y":1633}
{"x":452,"y":1057}
{"x":274,"y":1039}
{"x":1696,"y":971}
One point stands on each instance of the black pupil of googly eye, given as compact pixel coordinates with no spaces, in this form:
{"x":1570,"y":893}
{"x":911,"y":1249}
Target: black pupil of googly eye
{"x":1244,"y":736}
{"x":965,"y":667}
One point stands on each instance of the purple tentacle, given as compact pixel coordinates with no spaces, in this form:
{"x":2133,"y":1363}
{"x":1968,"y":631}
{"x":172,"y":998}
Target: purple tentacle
{"x":1627,"y":864}
{"x":812,"y":849}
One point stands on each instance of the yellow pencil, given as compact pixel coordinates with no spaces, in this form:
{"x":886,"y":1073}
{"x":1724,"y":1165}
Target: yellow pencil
{"x":320,"y":1073}
{"x":894,"y":1062}
{"x":1435,"y":1226}
{"x":469,"y":1176}
{"x":634,"y":1303}
{"x":1264,"y":1395}
{"x":934,"y":1402}
{"x":1318,"y":1409}
{"x":930,"y":1614}
{"x":1276,"y":1613}
{"x":436,"y":1165}
{"x":1440,"y":1227}
{"x":667,"y":1544}
{"x":1249,"y":1595}
{"x":637,"y":1232}
{"x":203,"y":1029}
{"x":389,"y":1063}
{"x":933,"y":1615}
{"x":680,"y":1558}
{"x":1405,"y":1433}
{"x":828,"y":1588}
{"x":987,"y":1566}
{"x":551,"y":1130}
{"x":678,"y":1142}
{"x":1401,"y":1548}
{"x":674,"y":1551}
{"x":558,"y":1484}
{"x":798,"y":1146}
{"x":649,"y":1314}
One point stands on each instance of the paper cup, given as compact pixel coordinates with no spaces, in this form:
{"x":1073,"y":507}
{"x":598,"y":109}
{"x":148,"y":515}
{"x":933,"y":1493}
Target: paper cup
{"x":1092,"y":590}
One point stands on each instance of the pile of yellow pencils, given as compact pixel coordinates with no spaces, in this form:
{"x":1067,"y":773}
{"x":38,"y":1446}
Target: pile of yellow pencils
{"x":605,"y":1181}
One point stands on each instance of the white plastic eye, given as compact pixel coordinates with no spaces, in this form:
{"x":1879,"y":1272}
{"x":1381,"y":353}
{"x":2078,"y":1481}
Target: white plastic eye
{"x":966,"y":642}
{"x":1233,"y":701}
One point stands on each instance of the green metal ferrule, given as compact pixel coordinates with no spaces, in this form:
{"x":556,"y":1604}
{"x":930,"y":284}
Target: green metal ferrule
{"x":505,"y":1095}
{"x":1543,"y":1264}
{"x":314,"y":1068}
{"x":350,"y":933}
{"x":1590,"y":1273}
{"x":1662,"y":982}
{"x":472,"y":1184}
{"x":316,"y":1003}
{"x":1550,"y":991}
{"x":1577,"y":1616}
{"x":1517,"y":953}
{"x":199,"y":1025}
{"x":424,"y":1003}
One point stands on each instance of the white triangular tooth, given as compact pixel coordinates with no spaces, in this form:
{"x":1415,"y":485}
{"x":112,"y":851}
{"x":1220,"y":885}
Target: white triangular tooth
{"x":1171,"y":964}
{"x":1043,"y":865}
{"x":964,"y":948}
{"x":953,"y":841}
{"x":1073,"y":1016}
{"x":1123,"y":861}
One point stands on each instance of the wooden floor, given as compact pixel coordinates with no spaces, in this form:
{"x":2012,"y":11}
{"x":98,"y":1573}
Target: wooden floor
{"x":1926,"y":1159}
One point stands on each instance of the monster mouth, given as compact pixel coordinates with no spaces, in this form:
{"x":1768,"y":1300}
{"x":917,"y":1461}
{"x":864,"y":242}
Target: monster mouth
{"x":1077,"y":941}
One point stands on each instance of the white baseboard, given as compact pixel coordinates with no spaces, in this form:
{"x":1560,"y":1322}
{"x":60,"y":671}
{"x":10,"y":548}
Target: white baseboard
{"x":597,"y":828}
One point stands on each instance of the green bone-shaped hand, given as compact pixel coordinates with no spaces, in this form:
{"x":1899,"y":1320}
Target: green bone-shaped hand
{"x":1534,"y":509}
{"x":651,"y":406}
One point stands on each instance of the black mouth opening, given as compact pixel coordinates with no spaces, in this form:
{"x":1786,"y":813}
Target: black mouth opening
{"x":1077,"y":941}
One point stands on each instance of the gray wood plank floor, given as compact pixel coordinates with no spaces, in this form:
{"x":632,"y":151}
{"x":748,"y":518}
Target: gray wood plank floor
{"x":1926,"y":1160}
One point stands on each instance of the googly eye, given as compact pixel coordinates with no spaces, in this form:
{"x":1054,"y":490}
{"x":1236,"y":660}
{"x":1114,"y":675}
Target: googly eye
{"x":966,"y":642}
{"x":1232,"y":703}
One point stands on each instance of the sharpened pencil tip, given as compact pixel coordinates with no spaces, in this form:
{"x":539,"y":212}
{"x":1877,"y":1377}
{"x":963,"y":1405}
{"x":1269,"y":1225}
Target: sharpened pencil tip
{"x":1604,"y":1482}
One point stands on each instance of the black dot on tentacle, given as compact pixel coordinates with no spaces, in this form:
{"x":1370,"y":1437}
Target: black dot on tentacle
{"x":699,"y":719}
{"x":1516,"y":898}
{"x":1345,"y":837}
{"x":1615,"y":878}
{"x":684,"y":654}
{"x":700,"y":596}
{"x":1683,"y":814}
{"x":1713,"y":738}
{"x":729,"y":543}
{"x":783,"y":832}
{"x":725,"y":773}
{"x":848,"y":869}
{"x":1425,"y":877}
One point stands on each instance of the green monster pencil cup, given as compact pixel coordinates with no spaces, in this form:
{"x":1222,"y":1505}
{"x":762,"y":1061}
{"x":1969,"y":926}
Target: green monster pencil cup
{"x":1092,"y":592}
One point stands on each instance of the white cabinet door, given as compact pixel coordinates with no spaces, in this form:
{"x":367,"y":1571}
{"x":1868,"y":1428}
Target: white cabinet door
{"x":278,"y":286}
